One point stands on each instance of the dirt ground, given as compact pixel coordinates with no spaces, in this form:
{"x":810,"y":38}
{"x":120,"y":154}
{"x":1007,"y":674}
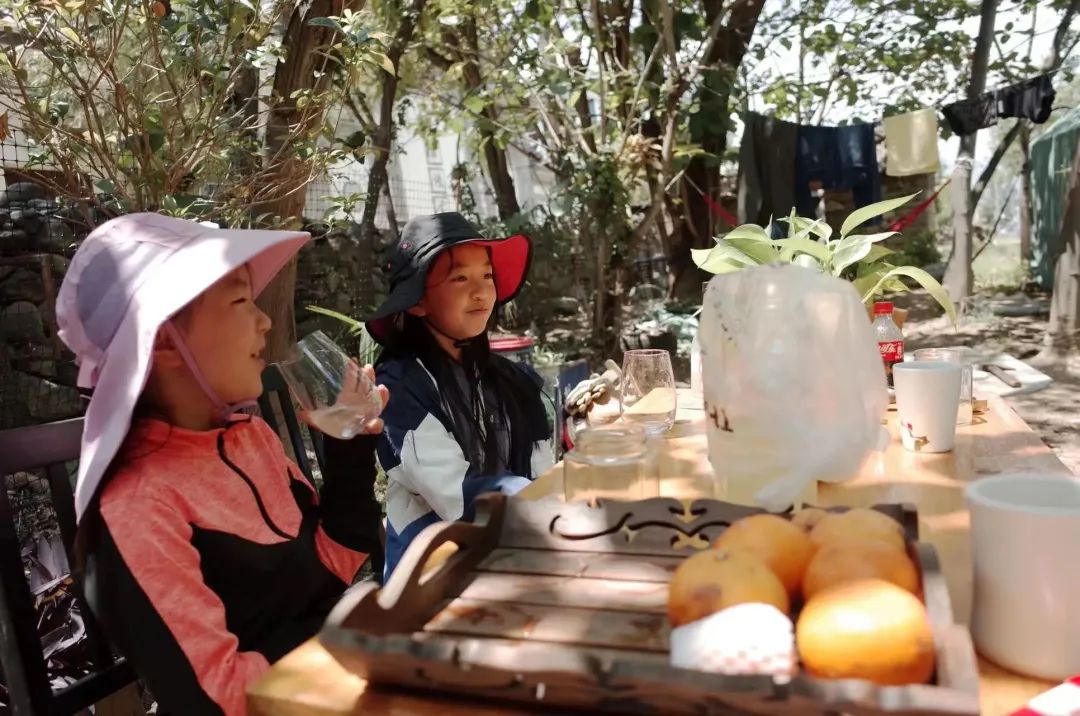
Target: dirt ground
{"x":1015,"y":324}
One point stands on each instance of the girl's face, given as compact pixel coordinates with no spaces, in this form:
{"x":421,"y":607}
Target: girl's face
{"x":226,"y":333}
{"x":460,"y":293}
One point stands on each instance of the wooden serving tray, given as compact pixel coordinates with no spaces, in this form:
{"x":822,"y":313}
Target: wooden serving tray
{"x":563,"y":605}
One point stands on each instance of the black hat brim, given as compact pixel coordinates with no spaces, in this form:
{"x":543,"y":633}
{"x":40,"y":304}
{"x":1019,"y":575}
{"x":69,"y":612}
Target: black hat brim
{"x":510,"y":258}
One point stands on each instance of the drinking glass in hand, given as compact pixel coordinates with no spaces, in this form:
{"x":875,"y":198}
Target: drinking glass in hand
{"x":338,"y":398}
{"x":647,"y":394}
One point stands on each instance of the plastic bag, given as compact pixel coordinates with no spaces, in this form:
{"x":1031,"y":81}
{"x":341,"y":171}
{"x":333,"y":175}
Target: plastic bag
{"x":793,"y":382}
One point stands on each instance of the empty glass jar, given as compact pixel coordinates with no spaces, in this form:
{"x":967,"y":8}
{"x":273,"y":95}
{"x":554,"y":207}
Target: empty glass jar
{"x":611,"y":462}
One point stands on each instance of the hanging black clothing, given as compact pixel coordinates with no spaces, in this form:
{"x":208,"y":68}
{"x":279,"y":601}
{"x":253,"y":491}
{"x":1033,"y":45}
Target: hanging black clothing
{"x":970,"y":115}
{"x":766,"y":169}
{"x":838,"y":158}
{"x":1031,"y":99}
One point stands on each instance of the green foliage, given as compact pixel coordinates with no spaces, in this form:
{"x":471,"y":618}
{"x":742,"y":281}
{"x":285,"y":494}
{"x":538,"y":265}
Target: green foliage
{"x":368,"y":348}
{"x":917,"y":248}
{"x":169,"y":112}
{"x":868,"y":57}
{"x":859,"y":258}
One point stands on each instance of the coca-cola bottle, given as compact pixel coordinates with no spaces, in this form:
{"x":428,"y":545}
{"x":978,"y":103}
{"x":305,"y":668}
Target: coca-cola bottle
{"x":889,"y":337}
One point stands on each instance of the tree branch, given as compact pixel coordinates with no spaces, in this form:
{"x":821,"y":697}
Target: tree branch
{"x":435,"y":58}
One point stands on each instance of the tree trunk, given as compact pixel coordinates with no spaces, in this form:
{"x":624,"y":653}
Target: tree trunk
{"x":1063,"y":333}
{"x":1025,"y":196}
{"x":987,"y":173}
{"x":708,"y":129}
{"x":502,"y":182}
{"x":581,"y":104}
{"x":958,"y":273}
{"x":383,"y":142}
{"x":296,"y":72}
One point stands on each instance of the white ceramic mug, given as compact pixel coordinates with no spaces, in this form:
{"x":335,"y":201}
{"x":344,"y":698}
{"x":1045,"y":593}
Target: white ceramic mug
{"x":1025,"y":532}
{"x":927,"y":398}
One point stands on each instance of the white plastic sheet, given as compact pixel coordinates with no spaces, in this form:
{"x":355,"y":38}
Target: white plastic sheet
{"x":793,"y":382}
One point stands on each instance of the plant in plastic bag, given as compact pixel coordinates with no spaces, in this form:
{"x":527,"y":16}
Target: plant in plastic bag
{"x":793,"y":383}
{"x":810,"y":244}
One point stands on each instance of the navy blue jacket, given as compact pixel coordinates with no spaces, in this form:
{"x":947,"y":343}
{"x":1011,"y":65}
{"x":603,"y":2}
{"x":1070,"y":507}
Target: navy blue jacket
{"x":429,"y":477}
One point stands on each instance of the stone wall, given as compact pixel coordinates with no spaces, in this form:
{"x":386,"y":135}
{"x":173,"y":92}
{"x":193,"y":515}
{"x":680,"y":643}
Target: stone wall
{"x":37,"y":374}
{"x":326,"y":277}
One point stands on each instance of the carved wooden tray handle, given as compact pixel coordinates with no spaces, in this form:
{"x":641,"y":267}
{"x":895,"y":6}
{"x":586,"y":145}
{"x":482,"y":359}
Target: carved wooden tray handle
{"x":412,"y":595}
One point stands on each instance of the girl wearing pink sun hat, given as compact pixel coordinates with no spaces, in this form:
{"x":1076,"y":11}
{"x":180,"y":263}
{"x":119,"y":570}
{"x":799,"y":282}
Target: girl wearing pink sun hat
{"x":205,"y":552}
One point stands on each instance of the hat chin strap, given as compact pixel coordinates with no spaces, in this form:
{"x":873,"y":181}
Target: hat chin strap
{"x":458,"y":342}
{"x":222,"y":410}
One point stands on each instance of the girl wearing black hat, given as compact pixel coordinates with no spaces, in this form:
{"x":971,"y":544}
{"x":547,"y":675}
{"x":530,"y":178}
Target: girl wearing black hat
{"x":460,"y":421}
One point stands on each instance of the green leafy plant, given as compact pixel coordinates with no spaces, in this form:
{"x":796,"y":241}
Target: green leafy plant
{"x":859,"y":258}
{"x":368,"y":348}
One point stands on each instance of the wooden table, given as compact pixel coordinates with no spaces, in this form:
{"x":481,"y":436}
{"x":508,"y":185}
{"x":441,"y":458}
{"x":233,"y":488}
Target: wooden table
{"x":310,"y":681}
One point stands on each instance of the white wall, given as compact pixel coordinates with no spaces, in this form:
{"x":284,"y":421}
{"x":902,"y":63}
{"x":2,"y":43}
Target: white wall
{"x":420,"y":178}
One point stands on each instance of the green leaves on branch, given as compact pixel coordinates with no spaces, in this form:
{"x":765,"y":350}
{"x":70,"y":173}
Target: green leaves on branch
{"x":369,"y":349}
{"x":809,"y":243}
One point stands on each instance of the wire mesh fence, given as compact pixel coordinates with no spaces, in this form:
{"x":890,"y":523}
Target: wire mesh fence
{"x":38,"y":235}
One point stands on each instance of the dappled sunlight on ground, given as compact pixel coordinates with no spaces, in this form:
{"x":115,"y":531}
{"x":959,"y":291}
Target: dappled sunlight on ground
{"x":1054,"y":412}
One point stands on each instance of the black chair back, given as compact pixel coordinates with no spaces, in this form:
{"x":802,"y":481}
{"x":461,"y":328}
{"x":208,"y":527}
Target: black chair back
{"x":342,"y":453}
{"x":50,"y":449}
{"x":274,"y":386}
{"x":570,"y":374}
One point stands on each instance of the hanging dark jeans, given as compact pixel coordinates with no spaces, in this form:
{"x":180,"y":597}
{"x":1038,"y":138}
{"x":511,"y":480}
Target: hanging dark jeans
{"x":838,"y":158}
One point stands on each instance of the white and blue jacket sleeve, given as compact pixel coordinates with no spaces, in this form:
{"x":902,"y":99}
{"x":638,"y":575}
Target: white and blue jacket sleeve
{"x":428,"y":477}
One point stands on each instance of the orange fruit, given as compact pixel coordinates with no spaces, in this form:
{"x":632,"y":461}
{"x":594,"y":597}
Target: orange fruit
{"x":712,"y":580}
{"x":868,"y":629}
{"x":783,"y":547}
{"x":840,"y":562}
{"x":857,"y":525}
{"x":159,"y":9}
{"x":806,"y":518}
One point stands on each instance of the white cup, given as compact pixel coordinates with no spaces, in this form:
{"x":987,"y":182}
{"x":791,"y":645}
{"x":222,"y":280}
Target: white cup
{"x":1025,"y":531}
{"x":927,"y":398}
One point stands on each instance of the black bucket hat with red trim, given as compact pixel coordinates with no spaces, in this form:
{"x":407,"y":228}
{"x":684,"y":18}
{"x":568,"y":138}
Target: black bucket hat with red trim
{"x":422,"y":240}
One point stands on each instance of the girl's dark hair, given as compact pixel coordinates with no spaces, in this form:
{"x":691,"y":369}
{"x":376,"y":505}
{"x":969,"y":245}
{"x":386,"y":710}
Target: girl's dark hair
{"x":470,"y":412}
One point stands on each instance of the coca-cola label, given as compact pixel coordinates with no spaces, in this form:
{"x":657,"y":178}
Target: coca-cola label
{"x":891,"y":351}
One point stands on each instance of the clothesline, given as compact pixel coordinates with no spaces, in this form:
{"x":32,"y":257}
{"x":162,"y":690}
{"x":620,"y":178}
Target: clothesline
{"x":988,"y":95}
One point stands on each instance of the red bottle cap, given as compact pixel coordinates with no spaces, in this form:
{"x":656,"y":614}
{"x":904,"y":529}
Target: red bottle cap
{"x":883,"y":307}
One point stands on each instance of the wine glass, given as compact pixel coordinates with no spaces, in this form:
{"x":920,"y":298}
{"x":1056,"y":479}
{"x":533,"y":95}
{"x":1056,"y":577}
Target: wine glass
{"x":647,"y":391}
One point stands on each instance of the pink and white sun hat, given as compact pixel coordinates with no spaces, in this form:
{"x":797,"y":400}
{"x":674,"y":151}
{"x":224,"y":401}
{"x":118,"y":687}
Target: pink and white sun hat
{"x":128,"y":277}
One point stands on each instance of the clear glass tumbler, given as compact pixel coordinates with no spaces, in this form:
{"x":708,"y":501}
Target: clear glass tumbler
{"x":330,"y":386}
{"x":965,"y":358}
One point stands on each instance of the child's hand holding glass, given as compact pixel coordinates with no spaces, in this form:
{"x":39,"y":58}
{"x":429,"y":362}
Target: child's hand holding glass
{"x":336,"y":396}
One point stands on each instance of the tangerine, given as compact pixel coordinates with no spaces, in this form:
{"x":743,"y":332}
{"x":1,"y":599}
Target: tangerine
{"x":807,"y":517}
{"x":783,"y":547}
{"x":840,"y":562}
{"x":857,"y":525}
{"x":713,"y":579}
{"x":867,"y":629}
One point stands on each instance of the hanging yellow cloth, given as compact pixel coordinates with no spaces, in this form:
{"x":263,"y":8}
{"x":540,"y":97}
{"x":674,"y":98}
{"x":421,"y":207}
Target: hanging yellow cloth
{"x":911,"y":143}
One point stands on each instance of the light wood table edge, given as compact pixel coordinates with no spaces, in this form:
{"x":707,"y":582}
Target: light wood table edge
{"x":310,"y":681}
